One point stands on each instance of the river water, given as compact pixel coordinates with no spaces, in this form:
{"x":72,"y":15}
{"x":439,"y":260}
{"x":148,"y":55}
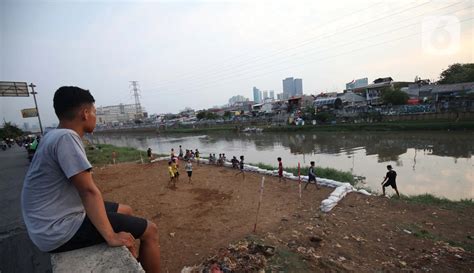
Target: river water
{"x":440,"y":163}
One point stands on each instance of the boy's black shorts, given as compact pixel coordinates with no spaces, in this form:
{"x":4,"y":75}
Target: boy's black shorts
{"x":390,"y":183}
{"x":87,"y":235}
{"x":190,"y":173}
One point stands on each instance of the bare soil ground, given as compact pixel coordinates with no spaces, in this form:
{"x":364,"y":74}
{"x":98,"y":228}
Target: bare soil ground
{"x":361,"y":234}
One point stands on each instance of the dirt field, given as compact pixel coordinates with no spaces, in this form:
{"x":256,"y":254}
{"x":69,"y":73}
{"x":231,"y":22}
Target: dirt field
{"x":361,"y":234}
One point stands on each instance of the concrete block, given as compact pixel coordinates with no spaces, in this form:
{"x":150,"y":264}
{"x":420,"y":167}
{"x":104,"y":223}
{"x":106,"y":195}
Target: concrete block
{"x":98,"y":258}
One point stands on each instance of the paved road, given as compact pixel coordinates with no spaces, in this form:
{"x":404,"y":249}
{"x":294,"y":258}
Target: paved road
{"x":17,"y":252}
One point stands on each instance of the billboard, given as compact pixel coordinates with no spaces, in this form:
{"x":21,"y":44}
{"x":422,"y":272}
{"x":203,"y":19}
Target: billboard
{"x":29,"y":113}
{"x":14,"y":89}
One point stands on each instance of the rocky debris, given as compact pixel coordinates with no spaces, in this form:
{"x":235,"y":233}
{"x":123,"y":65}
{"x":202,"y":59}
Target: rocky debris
{"x":244,"y":256}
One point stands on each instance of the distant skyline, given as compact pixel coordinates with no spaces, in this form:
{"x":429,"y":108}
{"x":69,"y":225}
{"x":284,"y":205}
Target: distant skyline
{"x":201,"y":53}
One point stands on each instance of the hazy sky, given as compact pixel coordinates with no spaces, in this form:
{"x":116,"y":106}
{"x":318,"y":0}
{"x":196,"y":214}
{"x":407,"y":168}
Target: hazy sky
{"x":200,"y":53}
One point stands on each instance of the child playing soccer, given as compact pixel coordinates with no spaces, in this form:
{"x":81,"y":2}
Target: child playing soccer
{"x":280,"y":170}
{"x":189,"y":169}
{"x":174,"y":166}
{"x":312,"y":176}
{"x":171,"y":173}
{"x":241,"y":165}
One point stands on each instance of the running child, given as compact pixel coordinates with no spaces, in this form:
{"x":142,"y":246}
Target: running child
{"x":196,"y":155}
{"x":189,"y":169}
{"x":149,"y":154}
{"x":280,"y":170}
{"x":174,"y":166}
{"x":390,"y":180}
{"x":171,"y":173}
{"x":241,"y":165}
{"x":312,"y":176}
{"x":180,"y":152}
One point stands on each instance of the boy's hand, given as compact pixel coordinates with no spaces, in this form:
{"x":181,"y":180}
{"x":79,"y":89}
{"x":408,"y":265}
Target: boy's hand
{"x":124,"y":239}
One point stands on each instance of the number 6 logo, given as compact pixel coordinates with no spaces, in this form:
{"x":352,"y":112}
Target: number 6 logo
{"x":441,"y":35}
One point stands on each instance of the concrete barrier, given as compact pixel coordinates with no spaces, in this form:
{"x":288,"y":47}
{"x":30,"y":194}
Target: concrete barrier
{"x":98,"y":258}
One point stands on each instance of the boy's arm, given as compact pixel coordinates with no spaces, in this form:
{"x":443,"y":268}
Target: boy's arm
{"x":95,"y":210}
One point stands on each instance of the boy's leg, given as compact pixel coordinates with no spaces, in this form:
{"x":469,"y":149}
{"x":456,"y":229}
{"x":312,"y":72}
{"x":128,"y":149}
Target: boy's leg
{"x":396,"y":190}
{"x":150,"y":249}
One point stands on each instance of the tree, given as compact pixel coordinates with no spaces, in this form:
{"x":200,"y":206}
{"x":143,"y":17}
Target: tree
{"x":201,"y":115}
{"x":10,"y":130}
{"x":206,"y":115}
{"x":394,"y":97}
{"x":227,"y":114}
{"x":309,"y":113}
{"x":457,"y":73}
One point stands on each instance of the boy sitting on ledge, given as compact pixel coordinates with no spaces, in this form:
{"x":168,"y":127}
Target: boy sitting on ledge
{"x":62,"y":207}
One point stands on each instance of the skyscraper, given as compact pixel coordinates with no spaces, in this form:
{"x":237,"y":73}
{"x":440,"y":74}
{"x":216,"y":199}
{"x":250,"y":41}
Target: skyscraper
{"x":265,"y":95}
{"x":272,"y":94}
{"x":257,"y":95}
{"x":298,"y":87}
{"x":292,"y":87}
{"x":288,"y":87}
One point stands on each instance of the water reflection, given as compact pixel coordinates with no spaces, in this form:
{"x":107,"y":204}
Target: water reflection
{"x":434,"y":162}
{"x":387,"y":146}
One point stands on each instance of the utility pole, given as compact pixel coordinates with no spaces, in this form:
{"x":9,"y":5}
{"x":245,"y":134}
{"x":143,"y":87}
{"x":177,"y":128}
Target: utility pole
{"x":36,"y":105}
{"x":136,"y":95}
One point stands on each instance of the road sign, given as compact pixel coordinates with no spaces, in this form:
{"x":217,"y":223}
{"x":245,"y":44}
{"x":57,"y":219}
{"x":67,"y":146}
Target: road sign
{"x":29,"y":113}
{"x":14,"y":89}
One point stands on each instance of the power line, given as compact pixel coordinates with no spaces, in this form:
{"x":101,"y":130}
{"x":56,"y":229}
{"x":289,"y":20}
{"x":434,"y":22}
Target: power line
{"x":280,"y":61}
{"x":308,"y":41}
{"x":340,"y":45}
{"x":334,"y":56}
{"x":239,"y":57}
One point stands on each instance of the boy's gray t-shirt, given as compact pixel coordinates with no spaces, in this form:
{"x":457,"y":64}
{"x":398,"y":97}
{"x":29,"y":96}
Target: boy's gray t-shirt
{"x":51,"y":206}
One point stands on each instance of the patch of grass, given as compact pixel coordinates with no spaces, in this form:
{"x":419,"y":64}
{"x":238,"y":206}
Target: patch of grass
{"x":102,"y":154}
{"x":286,"y":260}
{"x":421,"y":233}
{"x":430,"y":199}
{"x":328,"y":173}
{"x":436,"y":125}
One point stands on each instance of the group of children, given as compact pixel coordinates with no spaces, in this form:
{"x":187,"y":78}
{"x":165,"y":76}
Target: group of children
{"x":190,"y":155}
{"x":173,"y":164}
{"x":218,"y":161}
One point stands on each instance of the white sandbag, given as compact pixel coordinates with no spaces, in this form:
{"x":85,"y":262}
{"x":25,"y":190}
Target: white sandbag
{"x":364,"y":192}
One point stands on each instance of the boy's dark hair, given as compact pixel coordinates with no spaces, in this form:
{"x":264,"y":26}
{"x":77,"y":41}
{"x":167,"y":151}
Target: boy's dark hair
{"x":312,"y":162}
{"x":68,"y":99}
{"x":279,"y":159}
{"x":242,"y":157}
{"x":389,"y":167}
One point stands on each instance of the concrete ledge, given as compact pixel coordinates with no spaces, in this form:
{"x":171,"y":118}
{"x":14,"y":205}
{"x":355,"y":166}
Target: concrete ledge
{"x":98,"y":258}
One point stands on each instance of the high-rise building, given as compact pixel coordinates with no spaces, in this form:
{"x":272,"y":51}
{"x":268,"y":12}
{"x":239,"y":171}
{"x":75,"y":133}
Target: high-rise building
{"x":265,"y":95}
{"x":298,"y":87}
{"x":257,"y":95}
{"x":288,"y":87}
{"x":292,"y":87}
{"x":272,"y":94}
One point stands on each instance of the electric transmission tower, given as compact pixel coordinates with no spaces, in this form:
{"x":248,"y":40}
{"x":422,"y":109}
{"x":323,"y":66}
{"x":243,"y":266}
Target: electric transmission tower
{"x":136,"y":95}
